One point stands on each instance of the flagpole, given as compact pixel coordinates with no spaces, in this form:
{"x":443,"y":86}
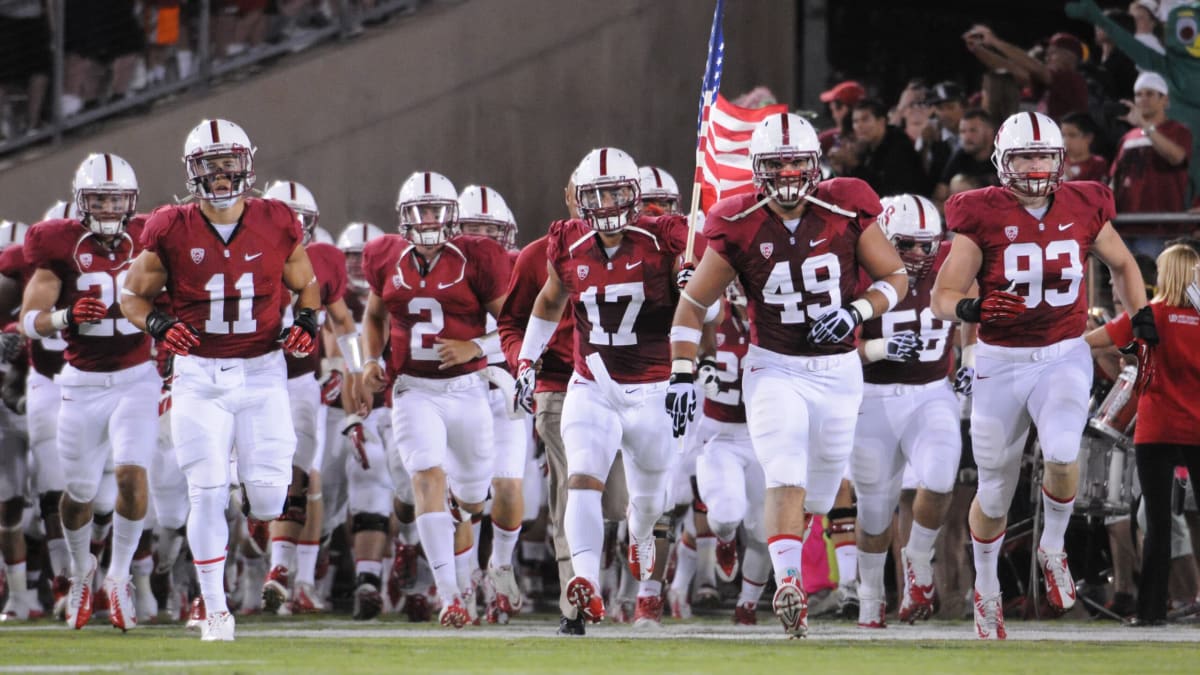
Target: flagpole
{"x":694,"y":212}
{"x":708,"y":92}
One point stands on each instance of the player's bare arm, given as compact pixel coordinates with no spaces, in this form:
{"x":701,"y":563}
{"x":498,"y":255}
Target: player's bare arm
{"x":40,"y":296}
{"x":879,"y":258}
{"x":1127,"y":277}
{"x":147,"y":277}
{"x":955,"y":278}
{"x":298,"y":276}
{"x":706,"y":286}
{"x":375,"y":319}
{"x":457,"y":352}
{"x":340,"y":326}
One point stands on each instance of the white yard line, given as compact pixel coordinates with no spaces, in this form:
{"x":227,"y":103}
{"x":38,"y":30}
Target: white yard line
{"x":116,"y":667}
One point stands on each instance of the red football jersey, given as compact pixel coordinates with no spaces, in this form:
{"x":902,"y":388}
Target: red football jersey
{"x":1169,"y":411}
{"x":1042,"y":260}
{"x":733,"y":338}
{"x":528,"y":276}
{"x":329,"y":266}
{"x":88,"y":268}
{"x":45,"y":355}
{"x":913,"y":313}
{"x":623,"y":303}
{"x":791,"y":279}
{"x":232,"y":292}
{"x":447,"y":301}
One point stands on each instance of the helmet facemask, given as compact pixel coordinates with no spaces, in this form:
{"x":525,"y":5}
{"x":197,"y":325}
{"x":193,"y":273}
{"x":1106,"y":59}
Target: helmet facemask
{"x":428,"y":223}
{"x":786,"y":185}
{"x":206,"y":169}
{"x":354,"y":270}
{"x":497,"y":230}
{"x":106,"y":212}
{"x":608,"y":206}
{"x":917,"y":253}
{"x":308,"y":222}
{"x":1032,"y":183}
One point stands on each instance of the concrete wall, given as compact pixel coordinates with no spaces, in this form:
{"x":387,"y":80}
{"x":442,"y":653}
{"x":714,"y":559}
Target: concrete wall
{"x":511,"y":93}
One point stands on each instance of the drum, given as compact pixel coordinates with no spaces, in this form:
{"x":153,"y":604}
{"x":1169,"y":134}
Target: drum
{"x":1106,"y":476}
{"x":1117,"y":413}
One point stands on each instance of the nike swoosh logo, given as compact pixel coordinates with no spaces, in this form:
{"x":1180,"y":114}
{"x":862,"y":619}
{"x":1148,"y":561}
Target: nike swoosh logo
{"x":442,"y":287}
{"x":982,"y":377}
{"x":1063,"y":227}
{"x":755,"y":369}
{"x":630,"y":266}
{"x":252,"y":257}
{"x":224,"y":369}
{"x":813,"y":243}
{"x":630,"y":391}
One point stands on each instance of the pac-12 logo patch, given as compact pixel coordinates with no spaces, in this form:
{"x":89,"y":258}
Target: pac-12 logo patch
{"x":766,"y":249}
{"x":582,"y":271}
{"x":197,"y":255}
{"x":1010,"y":231}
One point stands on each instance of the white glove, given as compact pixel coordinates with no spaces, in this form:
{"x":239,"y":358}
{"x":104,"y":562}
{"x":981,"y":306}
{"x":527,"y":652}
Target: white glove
{"x":904,"y":346}
{"x":834,"y":326}
{"x":706,"y":374}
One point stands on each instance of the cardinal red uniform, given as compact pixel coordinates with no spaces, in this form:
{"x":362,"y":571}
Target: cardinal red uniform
{"x":109,"y":386}
{"x":440,"y":417}
{"x":1034,"y":368}
{"x":792,"y":274}
{"x":42,"y":397}
{"x":231,"y":390}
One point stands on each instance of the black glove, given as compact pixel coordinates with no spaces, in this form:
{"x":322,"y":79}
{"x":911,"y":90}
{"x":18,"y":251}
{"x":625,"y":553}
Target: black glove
{"x":1143,"y":326}
{"x":681,"y":402}
{"x":171,"y":333}
{"x":301,"y":338}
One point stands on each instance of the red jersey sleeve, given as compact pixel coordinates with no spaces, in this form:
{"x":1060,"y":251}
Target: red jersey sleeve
{"x":492,"y":268}
{"x":329,"y":265}
{"x":12,"y":262}
{"x":853,"y":194}
{"x":960,"y":216}
{"x":523,"y":287}
{"x":1096,"y":196}
{"x":40,"y":248}
{"x":1120,"y":330}
{"x":721,"y":234}
{"x":372,"y":263}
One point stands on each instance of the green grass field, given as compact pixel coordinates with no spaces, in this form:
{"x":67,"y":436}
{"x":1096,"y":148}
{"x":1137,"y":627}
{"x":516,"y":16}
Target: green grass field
{"x":528,"y":646}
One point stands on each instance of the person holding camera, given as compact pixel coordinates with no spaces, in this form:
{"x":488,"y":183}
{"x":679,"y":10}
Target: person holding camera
{"x":1166,"y":336}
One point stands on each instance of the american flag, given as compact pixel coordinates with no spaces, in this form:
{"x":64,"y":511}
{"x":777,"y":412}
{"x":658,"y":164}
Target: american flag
{"x":723,"y":130}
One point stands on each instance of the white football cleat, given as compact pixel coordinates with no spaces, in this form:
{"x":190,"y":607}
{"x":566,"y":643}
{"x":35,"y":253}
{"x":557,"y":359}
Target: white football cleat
{"x":122,"y":611}
{"x":79,"y":597}
{"x":791,"y":606}
{"x":217,"y":627}
{"x":989,"y":617}
{"x":1060,"y":587}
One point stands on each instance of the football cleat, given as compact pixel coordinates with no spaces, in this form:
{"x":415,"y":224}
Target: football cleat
{"x":218,"y":628}
{"x":79,"y":597}
{"x":275,"y":591}
{"x":1060,"y":587}
{"x":403,"y":573}
{"x":872,"y":611}
{"x":143,"y":598}
{"x":625,"y":610}
{"x":791,"y":606}
{"x":989,"y":617}
{"x":260,"y":535}
{"x":745,"y":614}
{"x":503,"y":582}
{"x":727,"y":560}
{"x":571,"y":626}
{"x":680,"y":607}
{"x":847,"y":600}
{"x":649,"y":611}
{"x":584,"y":597}
{"x":417,"y":608}
{"x":641,"y":557}
{"x":59,"y":588}
{"x":122,"y":609}
{"x":20,"y":605}
{"x":197,"y":616}
{"x":919,"y":594}
{"x":454,"y":614}
{"x":707,"y":596}
{"x":306,"y":601}
{"x":368,"y":602}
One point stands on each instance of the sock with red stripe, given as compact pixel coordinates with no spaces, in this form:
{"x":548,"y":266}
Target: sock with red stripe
{"x":1057,"y":517}
{"x":987,"y":558}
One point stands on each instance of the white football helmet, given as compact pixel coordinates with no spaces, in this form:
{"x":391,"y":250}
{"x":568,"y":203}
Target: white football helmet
{"x":12,"y":232}
{"x":218,"y":149}
{"x":428,"y":208}
{"x":779,"y":140}
{"x":482,"y":211}
{"x":1029,"y":133}
{"x":914,"y":226}
{"x":61,"y":209}
{"x":321,"y":235}
{"x":659,"y":187}
{"x":300,"y":199}
{"x":351,"y":242}
{"x":607,"y":189}
{"x":106,"y":192}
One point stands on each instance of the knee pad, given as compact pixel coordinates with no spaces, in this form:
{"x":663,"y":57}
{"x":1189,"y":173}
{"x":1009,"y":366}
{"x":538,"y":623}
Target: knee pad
{"x":874,"y":514}
{"x":724,"y":531}
{"x":475,"y":492}
{"x":49,"y":502}
{"x":295,"y":509}
{"x":101,"y":517}
{"x":85,"y":491}
{"x":369,"y":522}
{"x":267,"y":502}
{"x":647,"y":505}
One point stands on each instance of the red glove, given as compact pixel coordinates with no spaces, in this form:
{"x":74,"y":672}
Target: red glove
{"x":172,"y":334}
{"x":331,"y":387}
{"x":301,"y":338}
{"x":352,"y":429}
{"x":86,"y":309}
{"x":1001,"y":305}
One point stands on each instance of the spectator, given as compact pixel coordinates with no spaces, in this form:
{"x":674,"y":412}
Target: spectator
{"x":1079,"y":131}
{"x":976,"y":134}
{"x":238,"y":26}
{"x":961,"y":182}
{"x":24,"y":63}
{"x":1119,"y":67}
{"x":1000,"y":95}
{"x":104,"y":44}
{"x":166,"y":36}
{"x":886,"y":159}
{"x":1149,"y":174}
{"x":837,"y":142}
{"x":1057,"y":82}
{"x":948,"y":104}
{"x":1145,"y":21}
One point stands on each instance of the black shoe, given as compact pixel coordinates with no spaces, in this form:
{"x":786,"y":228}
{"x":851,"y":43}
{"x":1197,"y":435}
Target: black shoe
{"x":1139,"y":622}
{"x":571,"y":626}
{"x":368,"y":602}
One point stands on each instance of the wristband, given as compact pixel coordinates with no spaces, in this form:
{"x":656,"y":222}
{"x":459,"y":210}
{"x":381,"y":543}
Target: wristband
{"x":864,"y":309}
{"x":682,"y":366}
{"x":888,"y":291}
{"x":538,"y":333}
{"x":875,"y":350}
{"x":489,"y":345}
{"x":352,"y":352}
{"x":685,"y":334}
{"x":29,"y":324}
{"x":60,"y":319}
{"x":969,"y":310}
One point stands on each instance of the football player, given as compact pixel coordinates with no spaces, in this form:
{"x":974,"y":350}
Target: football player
{"x":616,"y":269}
{"x":799,"y":261}
{"x":226,"y":261}
{"x":109,"y":386}
{"x":295,"y":536}
{"x":1026,"y":244}
{"x":430,"y":294}
{"x":909,"y":416}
